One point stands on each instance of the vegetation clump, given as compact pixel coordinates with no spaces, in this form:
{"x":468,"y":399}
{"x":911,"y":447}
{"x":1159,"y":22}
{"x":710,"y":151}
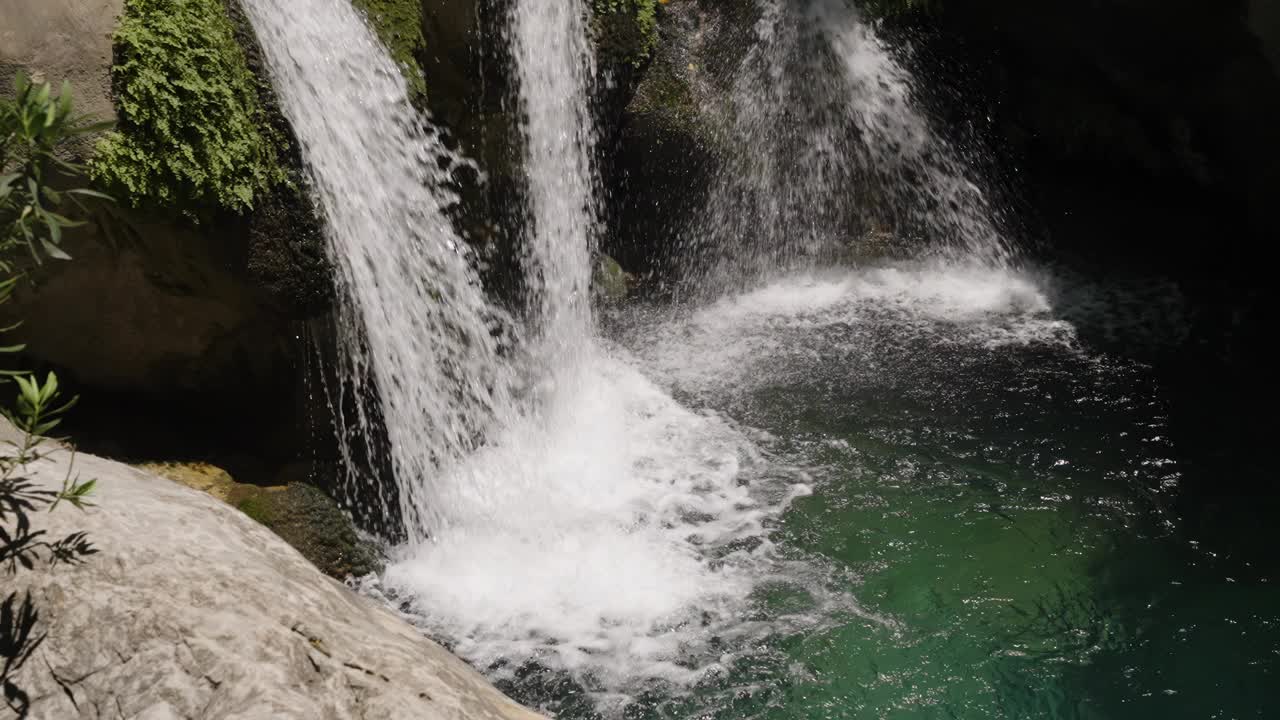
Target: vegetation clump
{"x":626,"y":30}
{"x":398,"y":24}
{"x":192,"y":133}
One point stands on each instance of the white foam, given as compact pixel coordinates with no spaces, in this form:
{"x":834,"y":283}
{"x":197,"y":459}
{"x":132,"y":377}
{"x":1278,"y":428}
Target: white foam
{"x":595,"y":537}
{"x":740,"y":340}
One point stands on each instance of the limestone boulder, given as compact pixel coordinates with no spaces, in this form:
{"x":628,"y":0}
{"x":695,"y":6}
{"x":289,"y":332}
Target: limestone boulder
{"x":192,"y":609}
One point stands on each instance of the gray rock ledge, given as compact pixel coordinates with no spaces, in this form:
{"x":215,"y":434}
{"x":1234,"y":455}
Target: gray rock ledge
{"x":193,"y":610}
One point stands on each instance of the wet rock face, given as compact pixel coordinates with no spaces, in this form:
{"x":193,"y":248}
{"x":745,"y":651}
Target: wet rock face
{"x":285,"y":255}
{"x":1140,"y":133}
{"x":662,"y":147}
{"x":1170,"y":104}
{"x":192,"y":609}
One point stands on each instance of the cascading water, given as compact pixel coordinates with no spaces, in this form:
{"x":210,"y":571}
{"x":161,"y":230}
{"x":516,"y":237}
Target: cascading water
{"x":416,"y":329}
{"x":594,"y":532}
{"x":564,"y":509}
{"x":554,"y":66}
{"x":602,"y":528}
{"x":828,"y":152}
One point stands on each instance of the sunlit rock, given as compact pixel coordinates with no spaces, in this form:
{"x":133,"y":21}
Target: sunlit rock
{"x":192,"y":609}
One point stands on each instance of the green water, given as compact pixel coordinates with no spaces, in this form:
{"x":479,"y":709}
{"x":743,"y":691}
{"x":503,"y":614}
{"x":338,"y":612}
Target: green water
{"x":1008,"y":527}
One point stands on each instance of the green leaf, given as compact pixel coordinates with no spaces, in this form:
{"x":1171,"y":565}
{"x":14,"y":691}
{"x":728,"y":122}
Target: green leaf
{"x":85,"y":192}
{"x":27,"y":390}
{"x":63,"y":220}
{"x":91,"y":128}
{"x":54,"y":251}
{"x":75,"y":400}
{"x":64,"y":99}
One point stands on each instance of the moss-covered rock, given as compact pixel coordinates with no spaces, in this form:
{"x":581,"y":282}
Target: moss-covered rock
{"x":610,"y":283}
{"x":398,"y":24}
{"x":192,"y":133}
{"x":313,"y":523}
{"x":666,"y":98}
{"x":626,"y":30}
{"x":301,"y":514}
{"x":666,"y":148}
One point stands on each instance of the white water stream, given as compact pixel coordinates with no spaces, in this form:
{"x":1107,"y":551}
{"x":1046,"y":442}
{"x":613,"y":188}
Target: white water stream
{"x":414,"y":323}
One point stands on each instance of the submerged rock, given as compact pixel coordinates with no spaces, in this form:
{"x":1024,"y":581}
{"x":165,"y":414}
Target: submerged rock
{"x":192,"y":609}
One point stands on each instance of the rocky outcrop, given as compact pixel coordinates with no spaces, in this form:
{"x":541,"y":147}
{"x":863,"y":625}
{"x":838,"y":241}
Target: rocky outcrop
{"x":174,"y":313}
{"x":192,"y":609}
{"x":150,"y":307}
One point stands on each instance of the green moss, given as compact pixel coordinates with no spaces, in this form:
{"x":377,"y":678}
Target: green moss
{"x":311,"y":522}
{"x":610,"y":281}
{"x":665,"y":90}
{"x":398,"y":24}
{"x":626,"y":30}
{"x":192,"y":133}
{"x":256,"y":507}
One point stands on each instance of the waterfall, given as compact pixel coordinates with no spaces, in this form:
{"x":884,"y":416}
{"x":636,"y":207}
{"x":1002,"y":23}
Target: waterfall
{"x":562,"y":509}
{"x":554,"y":66}
{"x":601,"y":530}
{"x":826,"y":145}
{"x":416,"y":332}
